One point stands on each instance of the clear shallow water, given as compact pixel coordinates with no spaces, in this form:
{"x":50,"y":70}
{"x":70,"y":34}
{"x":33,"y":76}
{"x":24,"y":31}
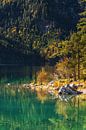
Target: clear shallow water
{"x":21,"y":109}
{"x":25,"y":110}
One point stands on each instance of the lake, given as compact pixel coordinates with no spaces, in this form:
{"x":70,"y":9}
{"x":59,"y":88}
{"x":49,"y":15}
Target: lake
{"x":17,"y":73}
{"x":21,"y":109}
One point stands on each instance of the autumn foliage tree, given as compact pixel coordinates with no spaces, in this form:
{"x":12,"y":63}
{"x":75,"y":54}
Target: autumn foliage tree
{"x":62,"y":68}
{"x":42,"y":76}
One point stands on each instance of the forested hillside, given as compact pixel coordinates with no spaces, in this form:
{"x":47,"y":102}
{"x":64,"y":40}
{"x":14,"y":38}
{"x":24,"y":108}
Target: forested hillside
{"x":34,"y":29}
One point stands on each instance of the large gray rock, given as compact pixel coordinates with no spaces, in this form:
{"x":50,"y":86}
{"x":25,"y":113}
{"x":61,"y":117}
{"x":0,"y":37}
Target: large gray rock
{"x":69,"y":89}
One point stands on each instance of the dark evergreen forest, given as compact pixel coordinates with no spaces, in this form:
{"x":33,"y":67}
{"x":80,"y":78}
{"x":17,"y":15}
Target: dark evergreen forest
{"x":32,"y":31}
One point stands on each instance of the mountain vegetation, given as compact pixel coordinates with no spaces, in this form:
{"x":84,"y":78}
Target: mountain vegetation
{"x":39,"y":31}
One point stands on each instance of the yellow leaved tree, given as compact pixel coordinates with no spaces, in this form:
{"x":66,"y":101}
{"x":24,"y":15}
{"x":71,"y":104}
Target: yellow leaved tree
{"x":42,"y":76}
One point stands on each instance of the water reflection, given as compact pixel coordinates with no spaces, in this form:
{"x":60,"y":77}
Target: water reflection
{"x":17,"y":73}
{"x":25,"y":110}
{"x":65,"y":98}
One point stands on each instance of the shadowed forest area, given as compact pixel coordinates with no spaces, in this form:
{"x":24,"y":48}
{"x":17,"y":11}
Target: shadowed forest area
{"x":43,"y":32}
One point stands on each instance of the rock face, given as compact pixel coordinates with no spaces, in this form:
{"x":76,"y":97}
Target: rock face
{"x":70,"y":89}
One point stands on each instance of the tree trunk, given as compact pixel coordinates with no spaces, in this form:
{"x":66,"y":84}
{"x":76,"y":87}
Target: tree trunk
{"x":74,"y":73}
{"x":78,"y":63}
{"x":78,"y":68}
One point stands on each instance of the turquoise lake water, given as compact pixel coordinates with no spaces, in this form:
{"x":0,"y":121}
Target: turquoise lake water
{"x":21,"y":109}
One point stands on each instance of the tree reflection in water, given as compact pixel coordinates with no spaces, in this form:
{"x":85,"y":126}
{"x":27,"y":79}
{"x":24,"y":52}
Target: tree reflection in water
{"x":25,"y":110}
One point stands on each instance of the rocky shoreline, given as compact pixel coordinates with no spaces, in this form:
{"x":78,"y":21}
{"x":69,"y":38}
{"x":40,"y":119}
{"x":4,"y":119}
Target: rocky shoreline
{"x":69,"y":89}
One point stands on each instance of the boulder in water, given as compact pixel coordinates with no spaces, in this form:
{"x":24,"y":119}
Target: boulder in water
{"x":69,"y":89}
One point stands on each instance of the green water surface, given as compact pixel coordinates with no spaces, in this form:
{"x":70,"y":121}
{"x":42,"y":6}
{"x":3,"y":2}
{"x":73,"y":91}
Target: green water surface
{"x":21,"y":109}
{"x":25,"y":110}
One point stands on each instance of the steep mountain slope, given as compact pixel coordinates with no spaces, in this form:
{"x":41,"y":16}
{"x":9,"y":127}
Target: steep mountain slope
{"x":62,"y":14}
{"x":29,"y":25}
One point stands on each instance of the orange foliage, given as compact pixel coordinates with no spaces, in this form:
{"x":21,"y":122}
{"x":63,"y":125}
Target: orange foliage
{"x":62,"y":68}
{"x":42,"y":76}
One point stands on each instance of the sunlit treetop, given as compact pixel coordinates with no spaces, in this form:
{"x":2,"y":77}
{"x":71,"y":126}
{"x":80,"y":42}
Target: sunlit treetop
{"x":6,"y":1}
